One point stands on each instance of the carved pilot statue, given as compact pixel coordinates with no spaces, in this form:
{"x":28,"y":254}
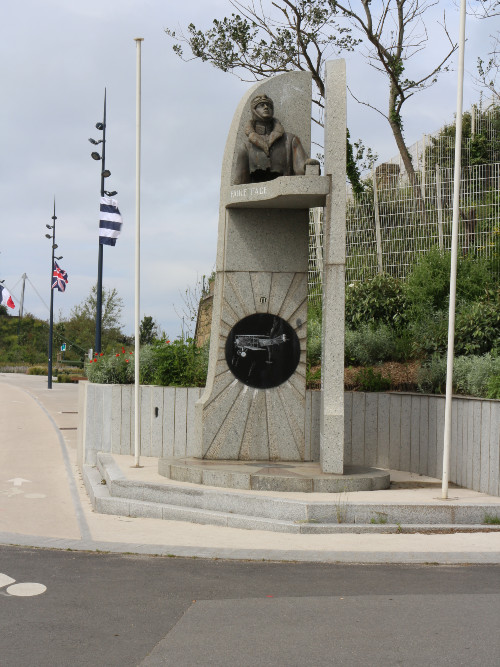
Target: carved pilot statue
{"x":268,"y":151}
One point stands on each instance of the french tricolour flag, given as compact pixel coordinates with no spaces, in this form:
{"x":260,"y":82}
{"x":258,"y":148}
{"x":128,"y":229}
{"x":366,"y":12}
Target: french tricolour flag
{"x":5,"y":297}
{"x":110,"y":223}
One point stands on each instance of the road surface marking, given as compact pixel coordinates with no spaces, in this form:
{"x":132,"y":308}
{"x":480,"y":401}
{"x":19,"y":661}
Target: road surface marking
{"x":5,"y":580}
{"x":12,"y":492}
{"x":18,"y":481}
{"x":27,"y":589}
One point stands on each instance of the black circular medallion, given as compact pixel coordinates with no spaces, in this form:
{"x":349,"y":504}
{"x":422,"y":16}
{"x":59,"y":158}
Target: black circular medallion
{"x":262,"y":350}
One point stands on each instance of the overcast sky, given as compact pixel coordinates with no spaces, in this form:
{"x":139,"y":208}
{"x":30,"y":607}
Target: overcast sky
{"x":57,"y":57}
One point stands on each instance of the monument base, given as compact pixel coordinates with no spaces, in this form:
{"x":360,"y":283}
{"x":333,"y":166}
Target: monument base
{"x":301,"y":477}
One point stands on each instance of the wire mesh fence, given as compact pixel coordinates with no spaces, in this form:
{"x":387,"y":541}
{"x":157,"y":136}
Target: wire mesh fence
{"x":480,"y":142}
{"x":392,"y":223}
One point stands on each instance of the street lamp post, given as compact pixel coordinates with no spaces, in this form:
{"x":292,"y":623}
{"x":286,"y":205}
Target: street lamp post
{"x":105,"y":173}
{"x":51,"y":319}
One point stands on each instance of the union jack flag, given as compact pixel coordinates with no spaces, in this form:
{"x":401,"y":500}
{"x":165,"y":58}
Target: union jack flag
{"x":60,"y":278}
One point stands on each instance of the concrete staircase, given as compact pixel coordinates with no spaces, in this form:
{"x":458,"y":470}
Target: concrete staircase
{"x":112,"y":493}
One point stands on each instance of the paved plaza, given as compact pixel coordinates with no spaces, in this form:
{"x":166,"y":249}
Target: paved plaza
{"x":44,"y":503}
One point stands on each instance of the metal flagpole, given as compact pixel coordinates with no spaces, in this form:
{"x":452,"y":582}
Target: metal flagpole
{"x":21,"y":305}
{"x":454,"y":253}
{"x":137,"y":420}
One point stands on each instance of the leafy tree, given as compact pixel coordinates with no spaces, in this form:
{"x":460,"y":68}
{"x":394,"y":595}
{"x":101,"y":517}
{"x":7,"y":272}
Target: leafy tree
{"x":484,"y":144}
{"x":112,"y":306}
{"x":396,"y":33}
{"x":148,"y":330}
{"x":358,"y":158}
{"x":191,"y":300}
{"x":305,"y":34}
{"x":80,"y":327}
{"x":267,"y":38}
{"x":489,"y":72}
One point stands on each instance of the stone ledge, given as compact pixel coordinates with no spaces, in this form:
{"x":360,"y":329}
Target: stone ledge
{"x":299,"y":192}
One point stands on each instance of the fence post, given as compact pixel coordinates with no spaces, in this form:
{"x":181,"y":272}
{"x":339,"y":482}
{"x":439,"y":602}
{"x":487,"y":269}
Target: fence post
{"x":439,"y":206}
{"x":424,"y":174}
{"x":378,"y":234}
{"x":317,"y":212}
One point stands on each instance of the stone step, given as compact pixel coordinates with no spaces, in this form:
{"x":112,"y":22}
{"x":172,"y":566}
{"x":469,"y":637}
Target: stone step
{"x":250,"y":511}
{"x":270,"y":476}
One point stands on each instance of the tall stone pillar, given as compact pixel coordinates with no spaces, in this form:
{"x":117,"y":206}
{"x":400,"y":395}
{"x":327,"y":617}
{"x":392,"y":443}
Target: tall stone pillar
{"x":253,"y":407}
{"x":334,"y":239}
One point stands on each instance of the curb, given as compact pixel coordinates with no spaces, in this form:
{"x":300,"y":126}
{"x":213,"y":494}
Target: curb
{"x":265,"y":555}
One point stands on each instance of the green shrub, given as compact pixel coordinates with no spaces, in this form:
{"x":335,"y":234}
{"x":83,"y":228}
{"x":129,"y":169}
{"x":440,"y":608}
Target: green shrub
{"x":38,"y":370}
{"x":428,"y":285}
{"x":115,"y":368}
{"x":65,"y":378}
{"x":378,"y":301}
{"x":313,"y":377}
{"x":369,"y":345}
{"x":314,"y":309}
{"x":314,"y":339}
{"x":369,"y":380}
{"x":68,"y":371}
{"x":431,"y":377}
{"x":429,"y":334}
{"x":14,"y":369}
{"x":180,"y":363}
{"x":477,"y":326}
{"x":493,"y":387}
{"x":147,"y":364}
{"x":404,"y":346}
{"x":417,"y":311}
{"x":472,"y":375}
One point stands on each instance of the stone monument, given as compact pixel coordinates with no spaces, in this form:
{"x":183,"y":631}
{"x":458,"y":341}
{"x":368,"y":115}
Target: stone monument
{"x":253,"y":423}
{"x":253,"y":407}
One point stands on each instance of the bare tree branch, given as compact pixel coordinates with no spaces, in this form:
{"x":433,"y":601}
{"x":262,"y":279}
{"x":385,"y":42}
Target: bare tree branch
{"x":366,"y":104}
{"x":265,"y":37}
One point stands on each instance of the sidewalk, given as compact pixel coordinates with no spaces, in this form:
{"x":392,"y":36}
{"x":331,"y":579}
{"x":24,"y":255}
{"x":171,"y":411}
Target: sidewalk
{"x":43,"y":502}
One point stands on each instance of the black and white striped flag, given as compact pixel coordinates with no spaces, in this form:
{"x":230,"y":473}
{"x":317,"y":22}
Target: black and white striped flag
{"x":110,"y":223}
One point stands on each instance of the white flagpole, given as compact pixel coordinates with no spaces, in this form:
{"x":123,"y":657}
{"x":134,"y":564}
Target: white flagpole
{"x":137,"y":415}
{"x":454,"y":253}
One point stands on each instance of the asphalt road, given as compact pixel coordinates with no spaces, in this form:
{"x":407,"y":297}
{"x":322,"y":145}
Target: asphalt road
{"x":106,"y":609}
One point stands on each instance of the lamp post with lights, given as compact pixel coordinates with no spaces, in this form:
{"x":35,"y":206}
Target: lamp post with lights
{"x":105,"y":173}
{"x":52,"y":237}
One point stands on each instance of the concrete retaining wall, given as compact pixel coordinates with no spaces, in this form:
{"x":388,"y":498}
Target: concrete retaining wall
{"x":107,"y":424}
{"x":397,"y":431}
{"x":406,"y":431}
